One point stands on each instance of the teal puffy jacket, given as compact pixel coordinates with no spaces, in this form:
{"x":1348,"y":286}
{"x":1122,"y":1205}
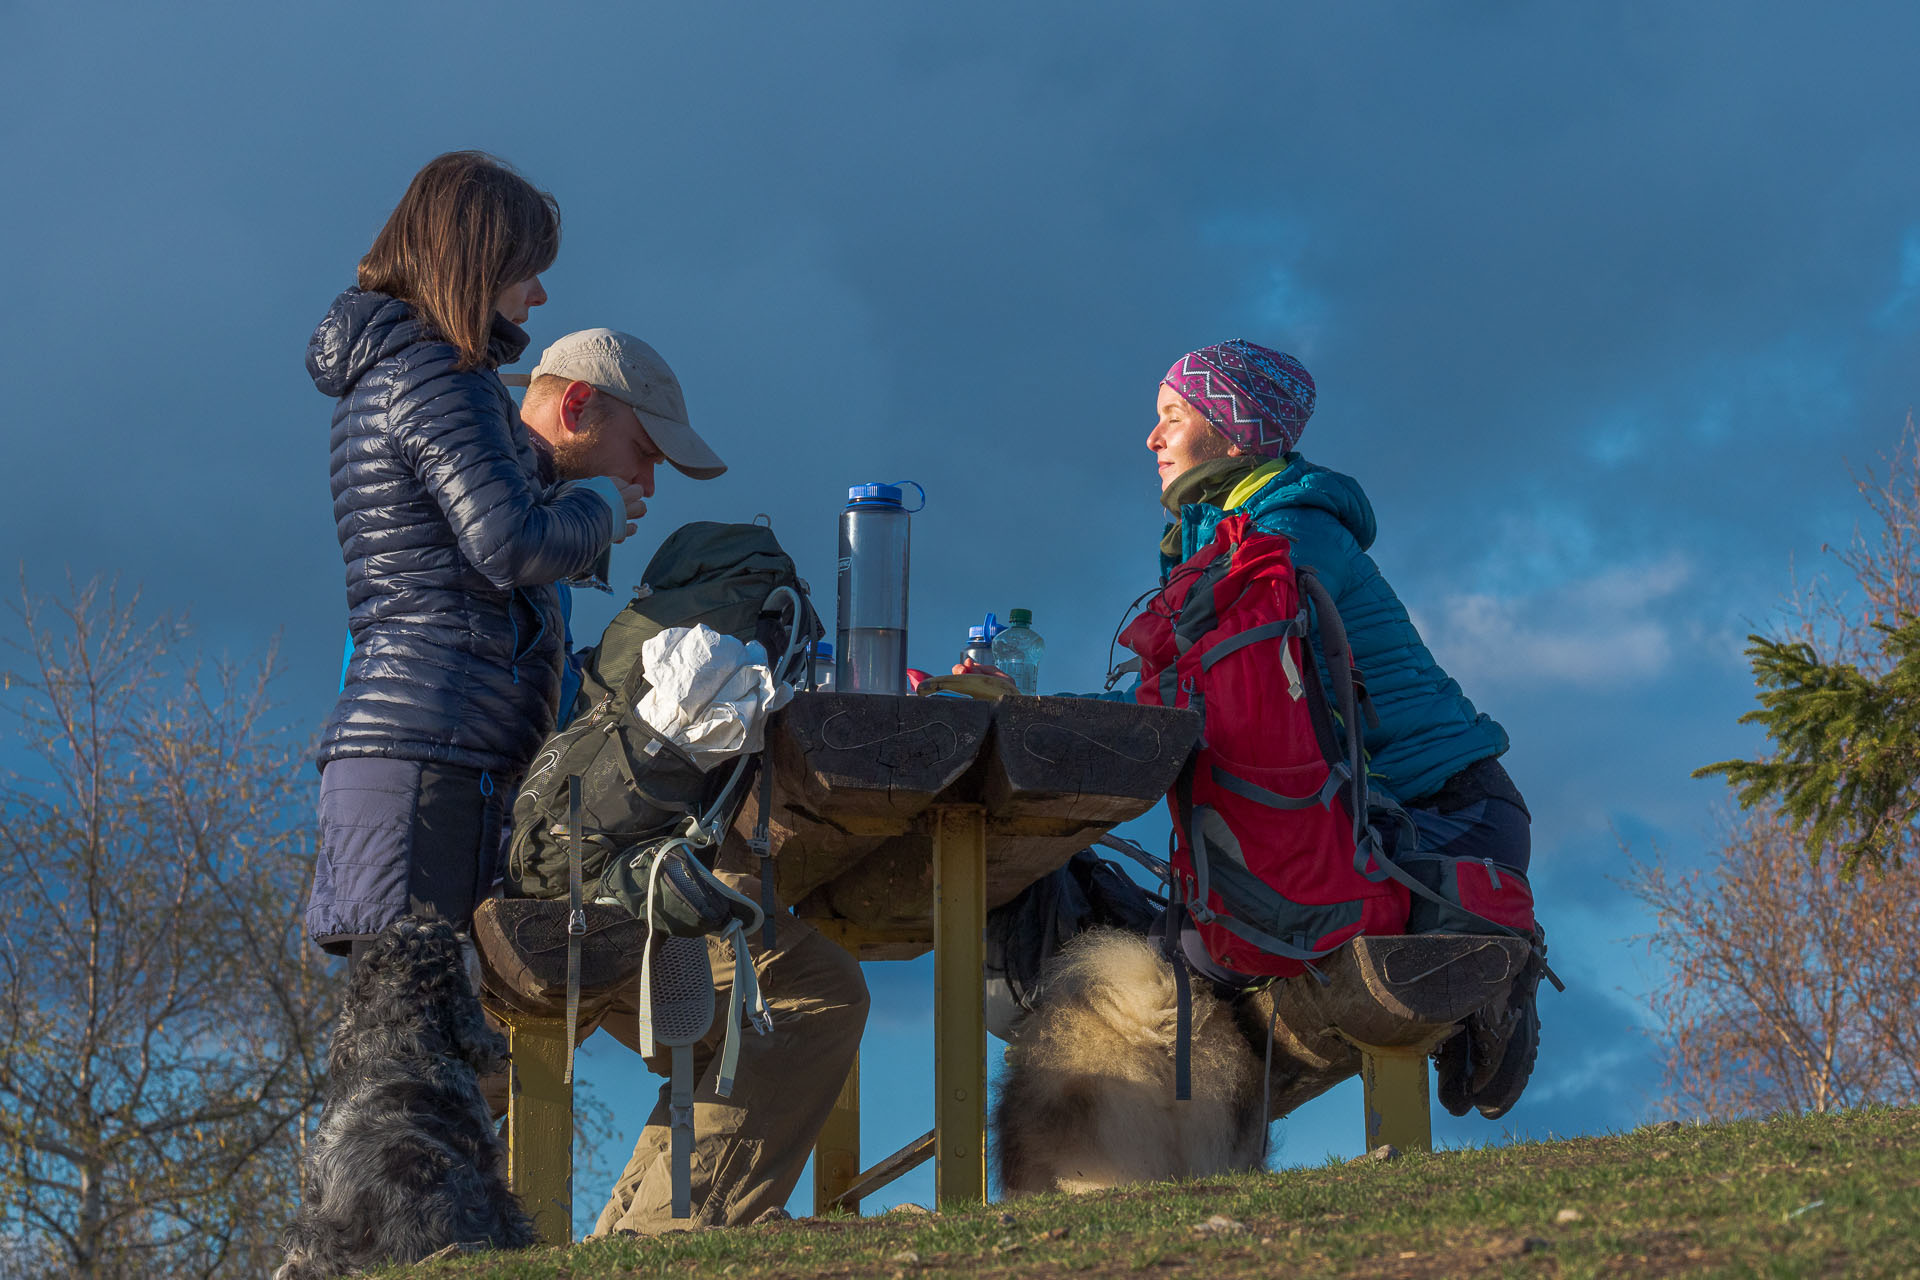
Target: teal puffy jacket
{"x":1428,"y":731}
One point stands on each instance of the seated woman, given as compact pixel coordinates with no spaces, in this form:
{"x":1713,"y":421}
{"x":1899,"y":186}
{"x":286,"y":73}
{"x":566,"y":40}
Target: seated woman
{"x":1228,"y":419}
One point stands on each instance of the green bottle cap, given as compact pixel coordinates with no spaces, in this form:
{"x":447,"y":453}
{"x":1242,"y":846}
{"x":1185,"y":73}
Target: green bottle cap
{"x":1020,"y":617}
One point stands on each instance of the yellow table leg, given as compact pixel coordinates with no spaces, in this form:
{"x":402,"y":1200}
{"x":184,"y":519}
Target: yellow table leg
{"x":1399,"y":1110}
{"x":959,"y":1004}
{"x":836,"y":1152}
{"x":540,"y":1124}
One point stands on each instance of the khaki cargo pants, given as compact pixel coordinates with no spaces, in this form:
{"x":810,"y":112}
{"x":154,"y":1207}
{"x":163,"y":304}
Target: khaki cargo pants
{"x":748,"y":1149}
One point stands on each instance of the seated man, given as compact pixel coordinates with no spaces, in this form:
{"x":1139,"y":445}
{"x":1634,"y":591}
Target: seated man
{"x":607,"y":405}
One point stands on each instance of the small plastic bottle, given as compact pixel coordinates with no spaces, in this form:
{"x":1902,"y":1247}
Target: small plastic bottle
{"x":1018,"y":651}
{"x":823,"y":665}
{"x":979,"y":648}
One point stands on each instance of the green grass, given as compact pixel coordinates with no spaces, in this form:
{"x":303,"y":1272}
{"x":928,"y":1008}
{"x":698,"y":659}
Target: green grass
{"x":1835,"y":1195}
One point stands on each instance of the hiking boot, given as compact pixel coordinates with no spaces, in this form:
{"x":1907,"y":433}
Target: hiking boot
{"x":1452,"y":1069}
{"x":1487,"y":1061}
{"x":1506,"y":1040}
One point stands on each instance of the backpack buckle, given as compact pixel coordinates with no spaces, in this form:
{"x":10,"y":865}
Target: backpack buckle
{"x":577,"y":922}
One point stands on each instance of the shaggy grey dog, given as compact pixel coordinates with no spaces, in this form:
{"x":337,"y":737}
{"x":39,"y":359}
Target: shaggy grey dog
{"x":406,"y":1160}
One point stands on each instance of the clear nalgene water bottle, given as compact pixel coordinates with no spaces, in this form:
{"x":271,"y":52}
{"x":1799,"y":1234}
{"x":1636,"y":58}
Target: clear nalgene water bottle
{"x":871,"y":639}
{"x":1018,"y":650}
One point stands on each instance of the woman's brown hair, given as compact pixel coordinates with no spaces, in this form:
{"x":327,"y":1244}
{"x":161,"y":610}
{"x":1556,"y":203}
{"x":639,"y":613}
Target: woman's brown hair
{"x":468,"y":227}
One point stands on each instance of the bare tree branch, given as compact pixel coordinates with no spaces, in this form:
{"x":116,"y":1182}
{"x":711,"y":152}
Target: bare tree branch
{"x":161,"y":1019}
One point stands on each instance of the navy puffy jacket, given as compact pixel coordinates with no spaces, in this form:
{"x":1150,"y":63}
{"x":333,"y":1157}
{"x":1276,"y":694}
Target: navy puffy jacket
{"x":452,"y":545}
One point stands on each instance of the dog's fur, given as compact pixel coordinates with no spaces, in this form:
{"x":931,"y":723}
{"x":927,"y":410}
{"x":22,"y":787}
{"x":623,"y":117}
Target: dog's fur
{"x":1088,"y":1097}
{"x":406,"y":1160}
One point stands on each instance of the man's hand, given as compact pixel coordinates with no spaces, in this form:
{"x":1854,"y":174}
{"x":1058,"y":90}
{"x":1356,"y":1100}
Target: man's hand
{"x":635,"y":500}
{"x":628,"y":502}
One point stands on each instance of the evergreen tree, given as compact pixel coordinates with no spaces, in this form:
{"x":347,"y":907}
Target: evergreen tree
{"x":1846,"y":770}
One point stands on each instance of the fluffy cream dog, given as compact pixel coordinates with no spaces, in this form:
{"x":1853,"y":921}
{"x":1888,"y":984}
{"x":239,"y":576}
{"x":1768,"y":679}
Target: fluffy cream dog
{"x":1088,"y":1097}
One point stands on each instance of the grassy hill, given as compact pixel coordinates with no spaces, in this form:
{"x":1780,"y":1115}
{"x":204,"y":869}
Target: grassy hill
{"x":1834,"y":1195}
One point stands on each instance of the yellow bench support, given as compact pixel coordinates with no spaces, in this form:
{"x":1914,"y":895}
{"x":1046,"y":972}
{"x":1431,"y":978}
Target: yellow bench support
{"x":540,"y":1124}
{"x":959,"y":1004}
{"x":1399,"y":1107}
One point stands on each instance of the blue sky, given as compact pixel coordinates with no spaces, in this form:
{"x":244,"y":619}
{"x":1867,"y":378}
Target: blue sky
{"x":1602,"y":302}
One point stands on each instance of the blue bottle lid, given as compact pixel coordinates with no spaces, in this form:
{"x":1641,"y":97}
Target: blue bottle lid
{"x":824,"y":649}
{"x":977,"y":633}
{"x":885,"y":495}
{"x":874,"y":495}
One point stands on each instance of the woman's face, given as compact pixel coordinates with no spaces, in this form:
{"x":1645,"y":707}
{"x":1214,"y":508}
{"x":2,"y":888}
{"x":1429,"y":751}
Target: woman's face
{"x":1183,"y":438}
{"x":516,"y":300}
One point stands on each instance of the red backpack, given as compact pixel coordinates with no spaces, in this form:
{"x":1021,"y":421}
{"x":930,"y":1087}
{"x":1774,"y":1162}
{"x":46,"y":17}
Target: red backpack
{"x":1281,"y":851}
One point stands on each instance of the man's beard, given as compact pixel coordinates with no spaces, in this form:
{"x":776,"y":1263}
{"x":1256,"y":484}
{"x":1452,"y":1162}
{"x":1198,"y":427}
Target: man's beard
{"x":570,"y":456}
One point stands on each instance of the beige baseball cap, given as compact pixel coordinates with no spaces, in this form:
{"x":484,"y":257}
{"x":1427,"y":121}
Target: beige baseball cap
{"x":631,"y":371}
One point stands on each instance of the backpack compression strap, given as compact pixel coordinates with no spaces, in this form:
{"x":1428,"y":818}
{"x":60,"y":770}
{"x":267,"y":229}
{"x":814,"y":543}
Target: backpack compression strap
{"x":761,"y":842}
{"x":576,"y":916}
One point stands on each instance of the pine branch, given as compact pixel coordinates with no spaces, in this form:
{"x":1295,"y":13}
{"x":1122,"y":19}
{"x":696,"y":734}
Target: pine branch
{"x":1846,"y":769}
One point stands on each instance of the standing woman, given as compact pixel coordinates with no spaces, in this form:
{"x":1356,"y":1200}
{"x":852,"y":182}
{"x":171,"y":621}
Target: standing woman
{"x":454,"y":534}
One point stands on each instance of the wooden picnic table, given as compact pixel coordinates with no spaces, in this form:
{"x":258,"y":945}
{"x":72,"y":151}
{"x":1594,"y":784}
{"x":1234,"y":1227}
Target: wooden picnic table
{"x":899,"y":822}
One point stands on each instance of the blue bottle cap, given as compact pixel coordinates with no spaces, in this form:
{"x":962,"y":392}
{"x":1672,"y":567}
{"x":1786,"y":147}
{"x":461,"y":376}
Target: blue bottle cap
{"x":874,"y":495}
{"x":977,"y":633}
{"x":885,"y":495}
{"x":824,"y":649}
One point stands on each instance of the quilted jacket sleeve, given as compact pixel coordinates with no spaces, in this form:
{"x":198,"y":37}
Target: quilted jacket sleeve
{"x":453,"y":428}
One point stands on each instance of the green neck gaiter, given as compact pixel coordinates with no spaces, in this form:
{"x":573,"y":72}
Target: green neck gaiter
{"x":1209,"y":482}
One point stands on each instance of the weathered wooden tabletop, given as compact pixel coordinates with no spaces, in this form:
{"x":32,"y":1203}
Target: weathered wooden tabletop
{"x":856,"y":774}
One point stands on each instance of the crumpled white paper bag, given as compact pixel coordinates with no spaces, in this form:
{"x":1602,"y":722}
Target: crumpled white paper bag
{"x":711,"y":694}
